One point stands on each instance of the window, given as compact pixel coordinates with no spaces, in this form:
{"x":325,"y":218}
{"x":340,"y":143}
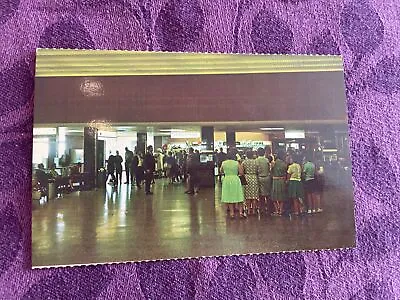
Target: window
{"x":40,"y":151}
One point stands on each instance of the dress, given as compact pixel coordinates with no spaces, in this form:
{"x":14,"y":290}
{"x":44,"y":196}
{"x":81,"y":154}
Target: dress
{"x":232,"y":190}
{"x":278,"y":173}
{"x":250,"y":173}
{"x":309,"y":177}
{"x":295,"y":189}
{"x":264,"y":176}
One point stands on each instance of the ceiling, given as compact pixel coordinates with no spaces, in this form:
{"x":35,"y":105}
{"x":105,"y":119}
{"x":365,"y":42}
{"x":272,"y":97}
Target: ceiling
{"x":166,"y":128}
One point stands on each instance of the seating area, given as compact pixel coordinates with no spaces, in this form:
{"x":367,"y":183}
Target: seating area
{"x":51,"y":183}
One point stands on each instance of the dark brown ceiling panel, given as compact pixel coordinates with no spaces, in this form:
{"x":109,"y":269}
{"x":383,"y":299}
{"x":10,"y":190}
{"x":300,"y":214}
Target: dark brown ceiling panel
{"x":191,"y":98}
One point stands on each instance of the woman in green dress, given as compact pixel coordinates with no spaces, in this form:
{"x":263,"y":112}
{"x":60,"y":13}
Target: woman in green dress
{"x":232,"y":190}
{"x":278,"y":172}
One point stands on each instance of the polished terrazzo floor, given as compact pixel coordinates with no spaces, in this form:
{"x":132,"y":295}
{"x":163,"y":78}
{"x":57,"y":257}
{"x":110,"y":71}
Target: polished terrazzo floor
{"x":126,"y":225}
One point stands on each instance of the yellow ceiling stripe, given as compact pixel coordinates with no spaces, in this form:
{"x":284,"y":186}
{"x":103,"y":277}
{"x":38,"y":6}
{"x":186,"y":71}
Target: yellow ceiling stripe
{"x":65,"y":62}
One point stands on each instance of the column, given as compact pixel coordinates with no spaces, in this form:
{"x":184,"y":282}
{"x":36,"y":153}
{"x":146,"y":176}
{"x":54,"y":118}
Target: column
{"x":207,"y":137}
{"x":231,"y":139}
{"x":141,"y":142}
{"x":158,"y":142}
{"x":150,"y":138}
{"x":205,"y":172}
{"x":89,"y":155}
{"x":61,"y":140}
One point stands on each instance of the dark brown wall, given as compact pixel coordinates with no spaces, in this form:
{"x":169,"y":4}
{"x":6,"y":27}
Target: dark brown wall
{"x":194,"y":98}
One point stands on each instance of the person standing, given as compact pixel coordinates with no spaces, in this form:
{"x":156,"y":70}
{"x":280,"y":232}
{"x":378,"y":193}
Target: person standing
{"x":278,"y":172}
{"x":319,"y":186}
{"x":309,"y":184}
{"x":111,"y":169}
{"x":232,"y":189}
{"x":184,"y":167}
{"x":192,"y":167}
{"x":251,"y":188}
{"x":171,"y":162}
{"x":149,"y":166}
{"x":295,"y":189}
{"x":264,"y":179}
{"x":137,"y":166}
{"x":221,"y":157}
{"x":179,"y":161}
{"x":118,"y":167}
{"x":128,"y":165}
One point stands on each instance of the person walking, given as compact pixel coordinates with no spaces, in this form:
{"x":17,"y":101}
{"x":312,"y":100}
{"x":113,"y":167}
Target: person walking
{"x":149,"y":166}
{"x":128,"y":165}
{"x":118,"y":167}
{"x":232,"y":189}
{"x":111,"y":169}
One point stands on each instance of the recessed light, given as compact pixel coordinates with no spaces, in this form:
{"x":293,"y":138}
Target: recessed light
{"x":172,"y":130}
{"x":272,"y":128}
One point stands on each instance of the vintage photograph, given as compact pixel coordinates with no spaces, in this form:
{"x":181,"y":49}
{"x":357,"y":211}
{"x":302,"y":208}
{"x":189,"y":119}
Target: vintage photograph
{"x":144,"y":156}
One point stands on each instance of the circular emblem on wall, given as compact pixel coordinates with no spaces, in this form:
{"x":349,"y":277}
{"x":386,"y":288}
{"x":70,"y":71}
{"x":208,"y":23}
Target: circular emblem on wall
{"x":92,"y":88}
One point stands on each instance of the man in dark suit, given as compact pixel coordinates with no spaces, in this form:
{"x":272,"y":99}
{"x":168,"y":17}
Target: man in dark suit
{"x":149,"y":165}
{"x":193,"y":162}
{"x":128,"y":165}
{"x":118,"y":167}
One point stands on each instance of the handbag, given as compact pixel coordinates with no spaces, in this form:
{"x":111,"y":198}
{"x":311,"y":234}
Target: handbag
{"x":243,"y":180}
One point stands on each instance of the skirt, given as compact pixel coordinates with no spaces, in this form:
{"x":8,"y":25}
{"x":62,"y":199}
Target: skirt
{"x":251,"y":188}
{"x":264,"y":186}
{"x":310,"y":186}
{"x":295,"y":189}
{"x":232,"y":190}
{"x":278,"y":190}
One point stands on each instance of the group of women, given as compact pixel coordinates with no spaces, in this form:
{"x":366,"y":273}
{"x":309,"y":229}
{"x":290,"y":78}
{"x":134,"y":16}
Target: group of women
{"x":271,"y":184}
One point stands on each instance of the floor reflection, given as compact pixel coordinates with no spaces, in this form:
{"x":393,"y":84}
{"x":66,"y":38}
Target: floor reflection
{"x":123,"y":224}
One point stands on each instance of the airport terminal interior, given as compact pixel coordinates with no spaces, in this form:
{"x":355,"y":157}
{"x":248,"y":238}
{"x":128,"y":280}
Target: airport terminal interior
{"x":81,"y":214}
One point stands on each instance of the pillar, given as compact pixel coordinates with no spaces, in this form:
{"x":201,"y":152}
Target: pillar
{"x":231,"y":139}
{"x":141,"y":142}
{"x":158,"y":142}
{"x":61,"y":140}
{"x":150,"y":138}
{"x":207,"y":137}
{"x":90,"y":155}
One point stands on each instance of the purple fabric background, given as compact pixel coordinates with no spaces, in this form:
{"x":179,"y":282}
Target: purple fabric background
{"x":365,"y":32}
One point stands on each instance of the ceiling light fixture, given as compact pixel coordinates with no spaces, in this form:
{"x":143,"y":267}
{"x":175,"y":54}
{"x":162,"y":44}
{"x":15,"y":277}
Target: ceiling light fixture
{"x":172,"y":130}
{"x":272,"y":128}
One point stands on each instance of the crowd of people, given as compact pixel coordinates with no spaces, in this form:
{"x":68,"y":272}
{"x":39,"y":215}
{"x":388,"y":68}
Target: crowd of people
{"x":259,"y":182}
{"x":177,"y":166}
{"x":254,"y":182}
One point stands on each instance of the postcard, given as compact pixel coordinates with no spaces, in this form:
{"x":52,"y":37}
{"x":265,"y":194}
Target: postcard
{"x":141,"y":156}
